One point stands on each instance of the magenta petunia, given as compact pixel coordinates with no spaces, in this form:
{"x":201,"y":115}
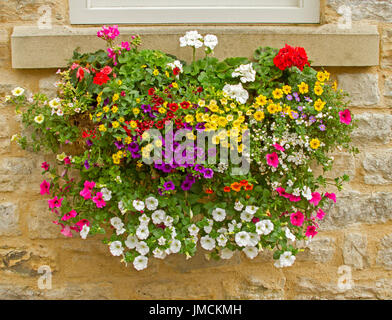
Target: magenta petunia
{"x":320,"y":214}
{"x":272,"y":159}
{"x":316,"y":197}
{"x":311,"y":231}
{"x":45,"y":186}
{"x":98,"y":200}
{"x":297,"y":218}
{"x":69,"y":215}
{"x":55,"y":202}
{"x":345,"y":116}
{"x":278,"y":147}
{"x":79,"y":225}
{"x":294,"y":198}
{"x":331,"y":196}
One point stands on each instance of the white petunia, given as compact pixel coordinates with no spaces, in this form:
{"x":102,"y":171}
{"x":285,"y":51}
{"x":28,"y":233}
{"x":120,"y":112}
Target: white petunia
{"x":84,"y":232}
{"x":264,"y":227}
{"x":151,"y":203}
{"x":222,"y":240}
{"x":39,"y":119}
{"x":131,"y":242}
{"x":55,"y":103}
{"x":236,"y":92}
{"x":238,"y":206}
{"x":193,"y":230}
{"x":286,"y":259}
{"x":207,"y":243}
{"x":307,"y":193}
{"x":288,"y":234}
{"x":254,"y":239}
{"x":251,"y":252}
{"x":175,"y":246}
{"x":121,"y":207}
{"x":106,"y":194}
{"x":219,"y":214}
{"x":226,"y":253}
{"x":210,"y":41}
{"x":158,"y":216}
{"x":18,"y":91}
{"x":60,"y":112}
{"x":116,"y":248}
{"x":246,"y":72}
{"x":140,"y":262}
{"x":233,"y":224}
{"x":142,"y":232}
{"x":242,"y":238}
{"x":161,"y":241}
{"x":246,"y":216}
{"x":120,"y":231}
{"x":144,"y":220}
{"x":159,"y":253}
{"x":168,"y":221}
{"x":138,"y":205}
{"x":251,"y":209}
{"x":207,"y":229}
{"x":142,"y":248}
{"x":116,"y":222}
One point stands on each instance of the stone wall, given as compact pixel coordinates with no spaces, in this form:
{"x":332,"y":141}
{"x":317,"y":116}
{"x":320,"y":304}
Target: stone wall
{"x":357,"y":231}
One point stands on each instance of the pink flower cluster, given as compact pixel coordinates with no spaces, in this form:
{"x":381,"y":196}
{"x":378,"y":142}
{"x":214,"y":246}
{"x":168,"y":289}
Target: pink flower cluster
{"x":87,"y":193}
{"x":108,"y":33}
{"x":282,"y":192}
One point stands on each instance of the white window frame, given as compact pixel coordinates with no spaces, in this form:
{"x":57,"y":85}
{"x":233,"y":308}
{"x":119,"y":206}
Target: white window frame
{"x":206,"y":11}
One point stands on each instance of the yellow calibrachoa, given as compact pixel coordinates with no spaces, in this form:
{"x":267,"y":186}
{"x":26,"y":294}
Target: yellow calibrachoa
{"x":318,"y":90}
{"x":314,"y":143}
{"x":261,"y":100}
{"x":303,"y":88}
{"x":286,"y":89}
{"x":115,"y":97}
{"x":321,"y":76}
{"x":259,"y":115}
{"x":155,"y":72}
{"x":115,"y":124}
{"x":102,"y":128}
{"x":121,"y":119}
{"x":128,"y":140}
{"x":114,"y":109}
{"x":136,"y":111}
{"x":175,"y":85}
{"x":319,"y":104}
{"x":277,"y":93}
{"x":106,"y":109}
{"x":137,"y":100}
{"x":133,"y":124}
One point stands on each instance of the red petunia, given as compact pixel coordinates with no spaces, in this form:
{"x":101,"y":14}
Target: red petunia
{"x":185,"y":104}
{"x":100,"y":78}
{"x":151,"y":91}
{"x":176,"y":71}
{"x":226,"y":189}
{"x":173,"y":107}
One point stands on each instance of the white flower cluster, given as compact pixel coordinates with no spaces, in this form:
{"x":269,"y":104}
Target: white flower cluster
{"x":237,"y":92}
{"x":246,"y":72}
{"x":286,"y":259}
{"x":196,"y":40}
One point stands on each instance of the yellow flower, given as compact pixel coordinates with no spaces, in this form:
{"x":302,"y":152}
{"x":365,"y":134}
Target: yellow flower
{"x":213,"y":107}
{"x":143,"y":66}
{"x":115,"y":124}
{"x":272,"y":108}
{"x":222,"y":122}
{"x":114,"y":109}
{"x":105,"y":108}
{"x":199,"y":117}
{"x":139,"y":164}
{"x":206,"y":117}
{"x":261,"y":100}
{"x":223,"y":101}
{"x":136,"y":111}
{"x":318,"y":90}
{"x":167,"y":74}
{"x":327,"y":74}
{"x":335,"y":86}
{"x":137,"y":100}
{"x":189,"y":118}
{"x":158,"y":143}
{"x":128,"y":140}
{"x":319,"y":104}
{"x":155,"y":72}
{"x":286,"y":89}
{"x":229,"y":117}
{"x":99,"y":114}
{"x":133,"y":124}
{"x":99,"y":99}
{"x":259,"y":115}
{"x":215,"y":139}
{"x":102,"y":128}
{"x":201,"y":103}
{"x":214,"y":118}
{"x":314,"y":143}
{"x":121,"y":119}
{"x":115,"y":97}
{"x":241,"y":118}
{"x":303,"y":88}
{"x":162,"y":110}
{"x":321,"y":76}
{"x":90,"y":116}
{"x":118,"y":138}
{"x":145,"y":135}
{"x":119,"y":82}
{"x":175,"y":85}
{"x":116,"y":159}
{"x":39,"y":119}
{"x":237,"y":123}
{"x":277,"y":93}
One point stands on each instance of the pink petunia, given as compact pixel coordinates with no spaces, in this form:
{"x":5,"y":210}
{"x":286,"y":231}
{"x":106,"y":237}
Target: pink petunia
{"x":86,"y":194}
{"x":282,"y":192}
{"x":45,"y":186}
{"x":345,"y":116}
{"x":45,"y":166}
{"x":98,"y":200}
{"x":55,"y":202}
{"x":69,"y":215}
{"x":320,"y":214}
{"x":294,"y":198}
{"x":331,"y":196}
{"x":272,"y":159}
{"x":316,"y":197}
{"x":65,"y":230}
{"x":297,"y":218}
{"x":278,"y":147}
{"x":311,"y":231}
{"x":89,"y":185}
{"x":79,"y":225}
{"x":67,"y":160}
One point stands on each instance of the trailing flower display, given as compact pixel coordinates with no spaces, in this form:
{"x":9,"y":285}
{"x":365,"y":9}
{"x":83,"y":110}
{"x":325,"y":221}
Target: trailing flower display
{"x":127,"y":129}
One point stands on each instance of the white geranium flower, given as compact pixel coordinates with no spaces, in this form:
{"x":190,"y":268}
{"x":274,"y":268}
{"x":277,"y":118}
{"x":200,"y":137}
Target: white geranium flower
{"x":246,"y":216}
{"x":242,"y":238}
{"x":138,"y":205}
{"x":210,"y":41}
{"x":251,"y":252}
{"x":286,"y":259}
{"x":254,"y":239}
{"x":193,"y":230}
{"x":288,"y":234}
{"x":144,"y":219}
{"x":121,"y":207}
{"x":116,"y":248}
{"x":131,"y":242}
{"x":140,"y":262}
{"x":84,"y":232}
{"x":251,"y":209}
{"x":246,"y":72}
{"x":207,"y":243}
{"x":159,"y":253}
{"x":226,"y":253}
{"x":192,"y":39}
{"x":175,"y":246}
{"x":106,"y":194}
{"x":222,"y":240}
{"x":161,"y":241}
{"x":264,"y":227}
{"x":18,"y":91}
{"x":39,"y":119}
{"x":219,"y":214}
{"x":238,"y":206}
{"x":151,"y":203}
{"x":142,"y":248}
{"x":236,"y":92}
{"x":142,"y":232}
{"x":158,"y":216}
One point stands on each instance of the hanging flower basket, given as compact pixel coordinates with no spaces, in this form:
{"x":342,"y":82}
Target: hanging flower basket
{"x":160,"y":155}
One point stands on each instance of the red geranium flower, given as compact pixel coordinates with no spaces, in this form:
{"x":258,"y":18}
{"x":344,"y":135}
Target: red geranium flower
{"x":176,"y":71}
{"x":151,"y":91}
{"x":291,"y":56}
{"x":100,"y":78}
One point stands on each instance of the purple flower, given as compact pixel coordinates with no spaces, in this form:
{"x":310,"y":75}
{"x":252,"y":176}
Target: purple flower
{"x":190,"y":178}
{"x":308,"y":99}
{"x":199,"y":168}
{"x":166,"y":168}
{"x":89,"y":142}
{"x":86,"y":165}
{"x":289,"y":97}
{"x":295,"y":114}
{"x":200,"y":126}
{"x":169,"y":185}
{"x":146,"y":108}
{"x":322,"y":127}
{"x":119,"y":144}
{"x":208,"y":173}
{"x":300,"y":108}
{"x":186,"y":185}
{"x":312,"y":119}
{"x":133,"y":147}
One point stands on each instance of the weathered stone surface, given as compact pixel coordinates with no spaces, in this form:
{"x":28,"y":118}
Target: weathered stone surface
{"x":383,"y":289}
{"x":320,"y":249}
{"x":378,"y":167}
{"x":373,"y":128}
{"x":386,"y":48}
{"x":380,"y":10}
{"x":355,"y":250}
{"x":362,"y":87}
{"x":5,"y":146}
{"x":384,"y":255}
{"x":17,"y":166}
{"x":47,"y":86}
{"x":40,"y":222}
{"x":4,"y":125}
{"x":9,"y":220}
{"x":388,"y":87}
{"x":353,"y":208}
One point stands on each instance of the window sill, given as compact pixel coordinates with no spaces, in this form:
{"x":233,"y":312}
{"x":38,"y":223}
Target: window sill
{"x":326,"y":45}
